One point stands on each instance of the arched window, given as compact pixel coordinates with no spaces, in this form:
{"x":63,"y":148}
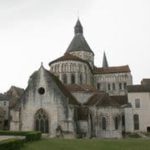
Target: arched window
{"x":57,"y":68}
{"x":80,"y":68}
{"x":137,"y":103}
{"x":116,"y":123}
{"x":120,"y":86}
{"x":71,"y":67}
{"x":125,"y":85}
{"x":104,"y":125}
{"x":41,"y":121}
{"x":66,"y":67}
{"x":109,"y":88}
{"x":64,"y":78}
{"x":72,"y":79}
{"x":63,"y":68}
{"x":98,"y":86}
{"x":114,"y":86}
{"x":136,"y":121}
{"x":123,"y":120}
{"x":81,"y":79}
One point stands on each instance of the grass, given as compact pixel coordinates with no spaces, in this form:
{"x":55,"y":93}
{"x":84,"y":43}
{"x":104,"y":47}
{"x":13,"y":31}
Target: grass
{"x":80,"y":144}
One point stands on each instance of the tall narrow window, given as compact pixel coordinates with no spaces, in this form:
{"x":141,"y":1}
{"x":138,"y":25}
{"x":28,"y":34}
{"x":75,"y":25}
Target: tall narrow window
{"x":136,"y":121}
{"x":114,"y":87}
{"x":109,"y":86}
{"x":137,"y":103}
{"x":98,"y":86}
{"x":72,"y":79}
{"x":116,"y":123}
{"x":125,"y":85}
{"x":64,"y":78}
{"x":120,"y":86}
{"x":103,"y":123}
{"x":41,"y":121}
{"x":123,"y":120}
{"x":81,"y":79}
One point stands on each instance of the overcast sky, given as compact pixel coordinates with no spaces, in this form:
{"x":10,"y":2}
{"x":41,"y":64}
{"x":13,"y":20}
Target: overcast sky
{"x":35,"y":31}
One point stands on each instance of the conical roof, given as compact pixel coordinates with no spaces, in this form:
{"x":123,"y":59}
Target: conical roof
{"x":105,"y":62}
{"x":78,"y":42}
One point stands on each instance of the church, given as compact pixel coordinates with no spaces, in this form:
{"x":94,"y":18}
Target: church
{"x":76,"y":99}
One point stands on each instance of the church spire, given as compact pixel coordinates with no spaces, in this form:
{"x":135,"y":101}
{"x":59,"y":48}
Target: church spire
{"x":78,"y":28}
{"x":105,"y":63}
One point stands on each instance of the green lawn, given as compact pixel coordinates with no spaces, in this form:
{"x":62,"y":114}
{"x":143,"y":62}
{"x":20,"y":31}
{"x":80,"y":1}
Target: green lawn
{"x":79,"y":144}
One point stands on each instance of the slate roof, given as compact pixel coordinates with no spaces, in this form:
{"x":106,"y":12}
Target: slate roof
{"x":35,"y":78}
{"x":101,"y":100}
{"x":78,"y":42}
{"x":81,"y":88}
{"x":108,"y":70}
{"x":138,"y":88}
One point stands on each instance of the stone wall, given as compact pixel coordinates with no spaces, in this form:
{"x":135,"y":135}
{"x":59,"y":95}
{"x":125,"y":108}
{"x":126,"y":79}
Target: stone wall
{"x":143,"y":111}
{"x":81,"y":72}
{"x":82,"y":97}
{"x":109,"y":113}
{"x":51,"y":100}
{"x":87,"y":56}
{"x":114,"y":83}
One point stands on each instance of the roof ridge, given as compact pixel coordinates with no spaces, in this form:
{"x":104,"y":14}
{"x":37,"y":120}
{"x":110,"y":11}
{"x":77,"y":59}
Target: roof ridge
{"x":99,"y":101}
{"x":112,"y":69}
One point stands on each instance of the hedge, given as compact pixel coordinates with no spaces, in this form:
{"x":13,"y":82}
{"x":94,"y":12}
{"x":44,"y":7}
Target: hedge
{"x":11,"y":144}
{"x":132,"y":135}
{"x":29,"y":135}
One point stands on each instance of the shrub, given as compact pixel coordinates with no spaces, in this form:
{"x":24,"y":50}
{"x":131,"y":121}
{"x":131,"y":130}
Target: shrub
{"x":11,"y":144}
{"x":33,"y":136}
{"x":132,"y":135}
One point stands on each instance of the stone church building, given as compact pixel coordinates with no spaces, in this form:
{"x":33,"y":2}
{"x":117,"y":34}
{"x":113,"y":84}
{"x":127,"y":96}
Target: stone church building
{"x":75,"y":98}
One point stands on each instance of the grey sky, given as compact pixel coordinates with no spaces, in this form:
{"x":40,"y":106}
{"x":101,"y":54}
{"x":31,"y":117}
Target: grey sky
{"x":32,"y":31}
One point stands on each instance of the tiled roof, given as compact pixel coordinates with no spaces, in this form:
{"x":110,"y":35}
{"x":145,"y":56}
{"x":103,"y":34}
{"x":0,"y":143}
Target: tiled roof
{"x":120,"y":99}
{"x":81,"y":88}
{"x":138,"y":88}
{"x":66,"y":57}
{"x":101,"y":100}
{"x":108,"y":70}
